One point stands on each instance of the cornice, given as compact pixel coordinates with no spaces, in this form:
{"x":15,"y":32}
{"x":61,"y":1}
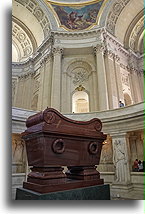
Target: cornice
{"x":77,"y":34}
{"x":48,"y":47}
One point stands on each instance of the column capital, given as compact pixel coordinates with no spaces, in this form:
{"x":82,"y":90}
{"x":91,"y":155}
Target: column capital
{"x":57,"y":50}
{"x":48,"y":57}
{"x":99,"y":48}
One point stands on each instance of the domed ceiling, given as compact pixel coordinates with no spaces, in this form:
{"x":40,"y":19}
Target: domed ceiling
{"x":33,"y":21}
{"x":77,"y":15}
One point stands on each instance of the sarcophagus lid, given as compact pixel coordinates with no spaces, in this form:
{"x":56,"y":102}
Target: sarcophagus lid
{"x":51,"y":121}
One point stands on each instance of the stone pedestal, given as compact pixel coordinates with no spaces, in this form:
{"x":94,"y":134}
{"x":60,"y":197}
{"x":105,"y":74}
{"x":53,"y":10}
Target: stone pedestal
{"x":99,"y":192}
{"x":120,"y":190}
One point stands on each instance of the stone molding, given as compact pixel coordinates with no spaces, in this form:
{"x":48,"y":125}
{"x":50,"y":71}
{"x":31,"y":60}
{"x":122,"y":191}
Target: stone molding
{"x":115,"y":122}
{"x":105,"y":43}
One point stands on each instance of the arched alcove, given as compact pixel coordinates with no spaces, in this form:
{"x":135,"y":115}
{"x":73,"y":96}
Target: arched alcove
{"x":80,"y":102}
{"x":127,"y":99}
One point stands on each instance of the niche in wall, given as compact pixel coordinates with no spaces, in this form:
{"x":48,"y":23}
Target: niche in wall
{"x":80,"y":102}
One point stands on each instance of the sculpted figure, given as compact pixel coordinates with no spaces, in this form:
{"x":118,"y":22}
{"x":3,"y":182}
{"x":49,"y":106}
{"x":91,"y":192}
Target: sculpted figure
{"x":119,"y":161}
{"x":18,"y":151}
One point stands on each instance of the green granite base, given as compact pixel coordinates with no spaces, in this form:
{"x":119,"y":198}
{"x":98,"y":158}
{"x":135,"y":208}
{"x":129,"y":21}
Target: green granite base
{"x":99,"y":192}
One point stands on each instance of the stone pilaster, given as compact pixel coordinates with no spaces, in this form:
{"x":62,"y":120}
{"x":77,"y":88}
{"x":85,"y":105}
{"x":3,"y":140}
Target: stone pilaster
{"x":56,"y":79}
{"x":101,"y":77}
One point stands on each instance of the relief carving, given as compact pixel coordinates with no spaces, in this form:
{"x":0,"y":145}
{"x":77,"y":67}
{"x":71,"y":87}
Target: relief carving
{"x":79,"y":75}
{"x":18,"y":151}
{"x":106,"y":154}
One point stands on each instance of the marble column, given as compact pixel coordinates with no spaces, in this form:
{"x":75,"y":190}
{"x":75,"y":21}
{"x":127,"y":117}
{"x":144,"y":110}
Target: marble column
{"x":111,"y":79}
{"x":121,"y":158}
{"x":41,"y":88}
{"x":118,"y":79}
{"x":20,"y":100}
{"x":56,"y":79}
{"x":95,"y":92}
{"x":27,"y":95}
{"x":101,"y":78}
{"x":65,"y":101}
{"x":141,"y":82}
{"x":135,"y":86}
{"x":46,"y":100}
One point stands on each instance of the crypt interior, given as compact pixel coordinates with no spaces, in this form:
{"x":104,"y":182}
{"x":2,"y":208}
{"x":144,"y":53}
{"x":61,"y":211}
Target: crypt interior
{"x":81,"y":57}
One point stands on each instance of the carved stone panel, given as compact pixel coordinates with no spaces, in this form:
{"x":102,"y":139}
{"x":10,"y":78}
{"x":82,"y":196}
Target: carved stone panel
{"x":18,"y":154}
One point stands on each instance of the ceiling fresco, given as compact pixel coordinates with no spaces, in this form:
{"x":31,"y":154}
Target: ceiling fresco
{"x":74,"y":17}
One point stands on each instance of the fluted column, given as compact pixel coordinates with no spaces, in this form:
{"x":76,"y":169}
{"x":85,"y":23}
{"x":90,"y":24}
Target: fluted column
{"x":46,"y":101}
{"x":41,"y":88}
{"x":101,"y":78}
{"x":65,"y":102}
{"x":136,"y":91}
{"x":141,"y":82}
{"x":111,"y":79}
{"x":56,"y":79}
{"x":121,"y":158}
{"x":118,"y":78}
{"x":95,"y":91}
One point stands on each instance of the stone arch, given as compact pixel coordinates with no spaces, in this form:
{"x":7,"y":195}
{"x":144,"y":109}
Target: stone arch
{"x":80,"y":102}
{"x":134,"y":35}
{"x":24,"y":42}
{"x":126,"y":17}
{"x":127,"y":99}
{"x":113,"y":10}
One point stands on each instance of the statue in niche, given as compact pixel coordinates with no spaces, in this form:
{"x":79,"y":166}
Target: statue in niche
{"x":18,"y":151}
{"x":119,"y":161}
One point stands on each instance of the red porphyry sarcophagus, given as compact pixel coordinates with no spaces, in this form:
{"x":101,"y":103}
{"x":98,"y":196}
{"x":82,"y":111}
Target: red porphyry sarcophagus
{"x":53,"y":141}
